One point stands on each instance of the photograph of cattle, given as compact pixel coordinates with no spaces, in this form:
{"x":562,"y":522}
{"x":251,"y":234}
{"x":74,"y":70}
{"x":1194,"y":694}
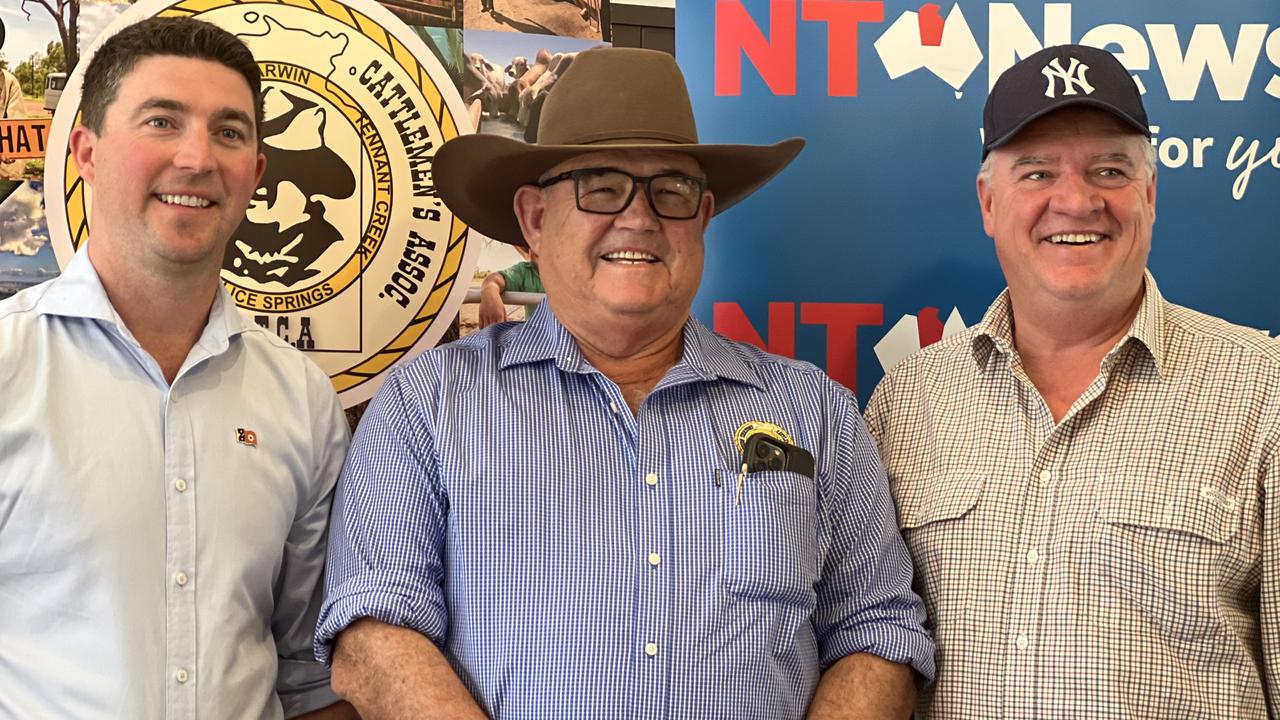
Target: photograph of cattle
{"x":508,"y":75}
{"x":567,"y":18}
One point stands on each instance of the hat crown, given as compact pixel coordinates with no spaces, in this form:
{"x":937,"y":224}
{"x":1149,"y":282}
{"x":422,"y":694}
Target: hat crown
{"x":1058,"y":77}
{"x":613,"y":96}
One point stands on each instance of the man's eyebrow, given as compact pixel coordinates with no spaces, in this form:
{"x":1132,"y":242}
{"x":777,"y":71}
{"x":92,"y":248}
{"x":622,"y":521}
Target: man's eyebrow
{"x":235,"y":115}
{"x":161,"y":103}
{"x":671,"y":170}
{"x":1119,"y":157}
{"x":1025,"y":160}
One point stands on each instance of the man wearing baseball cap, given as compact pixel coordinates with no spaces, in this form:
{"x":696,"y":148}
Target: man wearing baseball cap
{"x":565,"y":518}
{"x":1087,"y":479}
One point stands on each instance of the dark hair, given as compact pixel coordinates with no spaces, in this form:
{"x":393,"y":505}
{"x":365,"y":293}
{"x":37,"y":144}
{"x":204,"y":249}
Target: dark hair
{"x":178,"y":36}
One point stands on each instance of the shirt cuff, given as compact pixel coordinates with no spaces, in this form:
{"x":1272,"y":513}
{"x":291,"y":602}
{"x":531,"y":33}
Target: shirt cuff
{"x":904,"y":645}
{"x":340,"y":611}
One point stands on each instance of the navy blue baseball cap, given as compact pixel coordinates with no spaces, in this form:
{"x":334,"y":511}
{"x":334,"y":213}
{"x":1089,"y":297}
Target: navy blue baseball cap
{"x":1058,"y":77}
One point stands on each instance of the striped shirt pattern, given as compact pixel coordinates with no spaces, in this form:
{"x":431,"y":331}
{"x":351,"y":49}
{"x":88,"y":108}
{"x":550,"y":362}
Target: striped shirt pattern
{"x":574,"y":560}
{"x":1124,"y":563}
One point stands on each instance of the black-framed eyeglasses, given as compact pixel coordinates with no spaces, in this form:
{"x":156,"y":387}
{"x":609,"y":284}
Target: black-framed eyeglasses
{"x":608,"y":191}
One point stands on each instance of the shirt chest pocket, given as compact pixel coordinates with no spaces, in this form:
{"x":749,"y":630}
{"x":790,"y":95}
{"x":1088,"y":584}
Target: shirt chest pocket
{"x":1165,"y":549}
{"x":771,"y":537}
{"x":936,"y":516}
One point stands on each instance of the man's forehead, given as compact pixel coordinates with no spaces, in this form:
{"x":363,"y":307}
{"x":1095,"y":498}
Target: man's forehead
{"x":640,"y":162}
{"x":154,"y":75}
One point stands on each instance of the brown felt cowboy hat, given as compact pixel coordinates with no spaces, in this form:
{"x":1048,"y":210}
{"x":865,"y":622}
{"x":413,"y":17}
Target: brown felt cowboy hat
{"x":608,"y":99}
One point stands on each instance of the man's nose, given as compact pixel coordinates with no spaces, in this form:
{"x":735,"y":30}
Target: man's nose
{"x":639,"y":214}
{"x":1073,"y":194}
{"x":195,"y":151}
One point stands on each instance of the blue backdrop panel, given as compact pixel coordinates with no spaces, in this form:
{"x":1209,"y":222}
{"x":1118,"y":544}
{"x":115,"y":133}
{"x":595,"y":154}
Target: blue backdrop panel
{"x":878,"y":218}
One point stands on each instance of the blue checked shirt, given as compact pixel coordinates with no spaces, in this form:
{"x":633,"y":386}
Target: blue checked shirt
{"x":575,"y":561}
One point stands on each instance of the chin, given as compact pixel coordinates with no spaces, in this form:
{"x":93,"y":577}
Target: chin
{"x":632,"y":303}
{"x":1077,"y":291}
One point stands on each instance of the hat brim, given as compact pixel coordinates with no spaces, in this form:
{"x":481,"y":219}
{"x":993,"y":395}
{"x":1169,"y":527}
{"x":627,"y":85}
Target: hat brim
{"x":1073,"y":102}
{"x":477,"y":175}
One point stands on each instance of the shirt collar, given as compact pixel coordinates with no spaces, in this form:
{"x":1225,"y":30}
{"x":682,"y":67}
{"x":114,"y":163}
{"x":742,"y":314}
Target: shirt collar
{"x":705,"y":356}
{"x":78,"y":293}
{"x":995,"y":332}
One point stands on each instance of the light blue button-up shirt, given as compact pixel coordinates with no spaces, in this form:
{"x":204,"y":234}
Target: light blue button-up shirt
{"x":160,"y":547}
{"x":576,"y":561}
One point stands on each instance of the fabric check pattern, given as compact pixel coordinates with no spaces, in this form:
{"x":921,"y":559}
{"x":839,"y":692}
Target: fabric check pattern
{"x":1121,"y":564}
{"x":574,"y":560}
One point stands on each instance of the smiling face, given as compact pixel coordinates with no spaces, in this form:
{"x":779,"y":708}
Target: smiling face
{"x":1070,"y":203}
{"x":173,"y":168}
{"x":633,"y":269}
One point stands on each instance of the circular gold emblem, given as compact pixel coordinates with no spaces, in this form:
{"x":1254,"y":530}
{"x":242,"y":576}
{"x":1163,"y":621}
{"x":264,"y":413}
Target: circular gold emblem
{"x":751,"y":427}
{"x":346,"y":251}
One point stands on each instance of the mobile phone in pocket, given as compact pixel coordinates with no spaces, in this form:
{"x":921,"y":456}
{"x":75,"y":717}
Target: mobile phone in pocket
{"x":763,"y":452}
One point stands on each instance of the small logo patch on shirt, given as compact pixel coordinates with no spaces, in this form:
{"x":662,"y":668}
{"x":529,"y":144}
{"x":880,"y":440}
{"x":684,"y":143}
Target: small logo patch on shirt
{"x":1219,"y":497}
{"x":751,"y":427}
{"x":247,"y":437}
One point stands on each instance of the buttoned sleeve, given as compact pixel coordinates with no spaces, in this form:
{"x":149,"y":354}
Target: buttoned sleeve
{"x":386,"y":551}
{"x":301,"y":681}
{"x":865,"y":601}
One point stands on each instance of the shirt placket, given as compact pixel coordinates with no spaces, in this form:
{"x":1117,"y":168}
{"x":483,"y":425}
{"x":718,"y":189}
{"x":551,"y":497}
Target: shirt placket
{"x":1031,"y":656}
{"x":653,"y":575}
{"x":1028,"y":578}
{"x":650,"y":486}
{"x":1027,"y":559}
{"x":180,"y":558}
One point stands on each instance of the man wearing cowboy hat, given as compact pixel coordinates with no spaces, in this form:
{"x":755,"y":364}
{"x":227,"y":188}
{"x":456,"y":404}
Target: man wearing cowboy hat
{"x":1087,"y":479}
{"x":554,"y":519}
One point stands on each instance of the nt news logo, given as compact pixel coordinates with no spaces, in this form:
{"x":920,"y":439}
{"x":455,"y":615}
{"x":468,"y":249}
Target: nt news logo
{"x":1229,"y":57}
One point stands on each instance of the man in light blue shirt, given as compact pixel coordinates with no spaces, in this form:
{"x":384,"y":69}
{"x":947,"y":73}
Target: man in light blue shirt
{"x":166,"y":466}
{"x":553,"y":519}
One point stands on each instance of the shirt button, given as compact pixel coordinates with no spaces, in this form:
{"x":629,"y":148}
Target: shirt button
{"x":1045,"y":476}
{"x":613,"y":406}
{"x":180,"y":485}
{"x":651,"y":649}
{"x":180,"y":578}
{"x":654,"y":559}
{"x":1022,"y":642}
{"x":181,"y":675}
{"x":1032,"y":556}
{"x":651,"y":479}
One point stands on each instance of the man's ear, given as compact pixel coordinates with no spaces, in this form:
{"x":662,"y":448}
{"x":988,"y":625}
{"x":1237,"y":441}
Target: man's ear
{"x":529,"y":208}
{"x":984,"y":204}
{"x":262,"y":167}
{"x":83,"y":143}
{"x":707,"y":210}
{"x":1151,"y":194}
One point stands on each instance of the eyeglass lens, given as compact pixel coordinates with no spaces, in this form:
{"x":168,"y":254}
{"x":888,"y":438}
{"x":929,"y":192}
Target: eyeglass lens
{"x":608,"y":191}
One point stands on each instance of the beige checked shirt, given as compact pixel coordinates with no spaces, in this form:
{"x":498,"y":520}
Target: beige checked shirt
{"x":1124,"y":563}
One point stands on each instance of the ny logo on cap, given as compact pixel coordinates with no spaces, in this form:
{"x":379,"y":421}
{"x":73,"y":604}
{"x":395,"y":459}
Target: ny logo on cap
{"x":1071,"y":78}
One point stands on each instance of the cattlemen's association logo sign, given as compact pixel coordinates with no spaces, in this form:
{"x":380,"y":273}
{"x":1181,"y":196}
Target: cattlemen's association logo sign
{"x":346,"y":250}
